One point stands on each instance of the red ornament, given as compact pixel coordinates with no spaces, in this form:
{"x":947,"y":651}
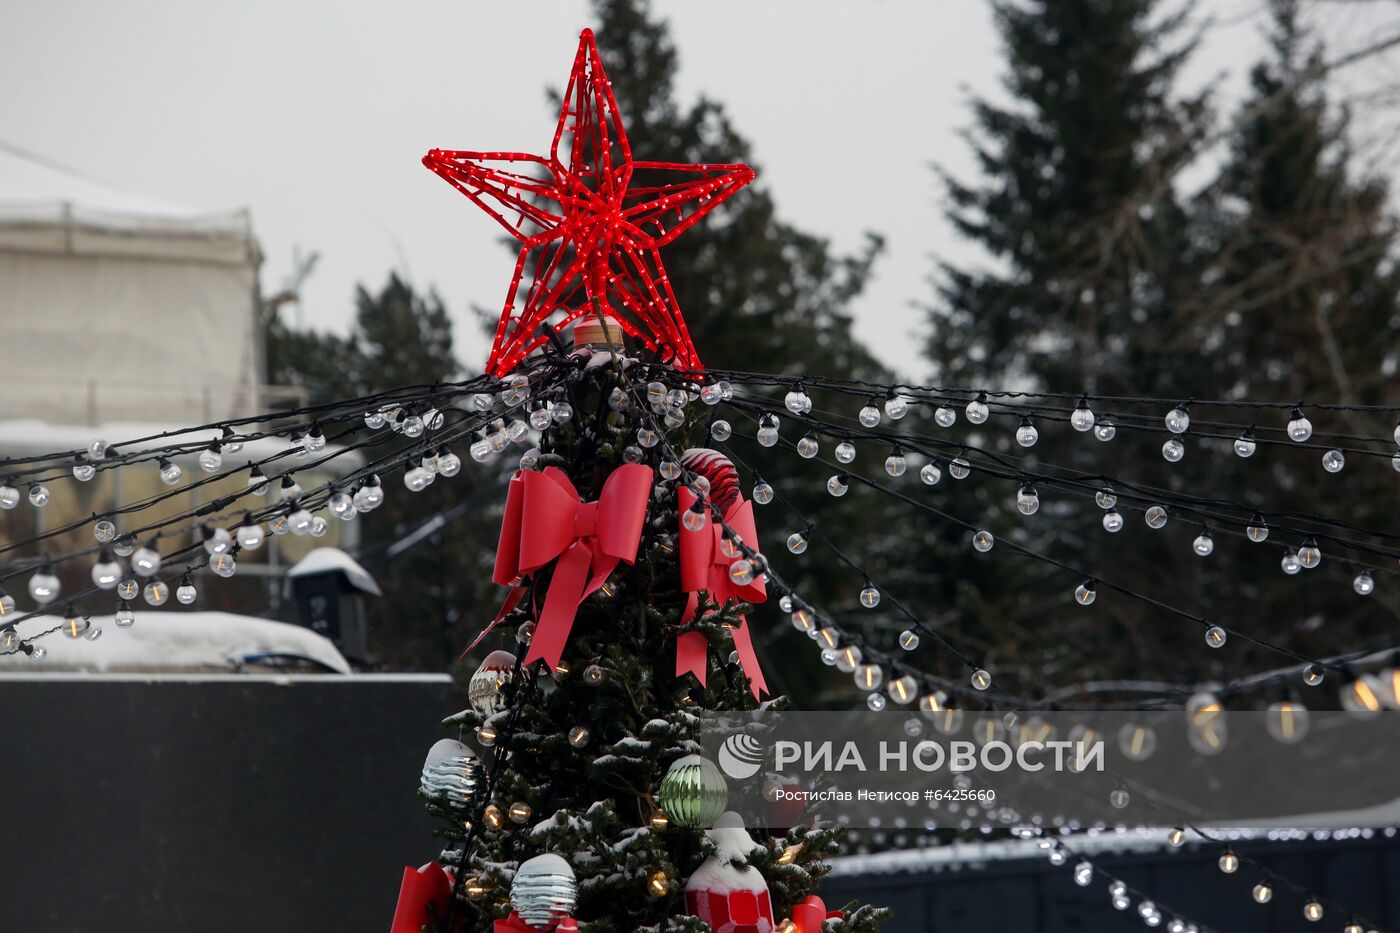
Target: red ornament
{"x":594,"y":231}
{"x":424,"y":896}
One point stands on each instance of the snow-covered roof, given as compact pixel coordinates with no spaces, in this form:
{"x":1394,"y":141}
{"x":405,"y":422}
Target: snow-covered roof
{"x":34,"y":189}
{"x":324,"y":559}
{"x":174,"y":640}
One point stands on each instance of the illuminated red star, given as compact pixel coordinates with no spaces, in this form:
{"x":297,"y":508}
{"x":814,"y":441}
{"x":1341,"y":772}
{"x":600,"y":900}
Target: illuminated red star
{"x":587,"y":233}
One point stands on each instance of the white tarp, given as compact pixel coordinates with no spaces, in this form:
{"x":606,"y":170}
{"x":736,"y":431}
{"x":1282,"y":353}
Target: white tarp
{"x":117,"y":306}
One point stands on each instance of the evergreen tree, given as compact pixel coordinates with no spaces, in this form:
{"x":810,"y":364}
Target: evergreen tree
{"x":584,"y":749}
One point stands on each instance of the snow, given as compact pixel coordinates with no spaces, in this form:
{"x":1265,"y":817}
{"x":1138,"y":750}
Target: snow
{"x":732,"y":844}
{"x":325,"y":559}
{"x":173,"y":640}
{"x":445,"y":750}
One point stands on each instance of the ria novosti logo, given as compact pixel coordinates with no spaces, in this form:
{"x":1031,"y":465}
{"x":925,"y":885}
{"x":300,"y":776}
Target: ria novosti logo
{"x":741,"y":756}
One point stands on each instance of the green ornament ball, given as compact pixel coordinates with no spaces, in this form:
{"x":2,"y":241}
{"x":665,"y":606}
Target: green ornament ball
{"x":693,"y":792}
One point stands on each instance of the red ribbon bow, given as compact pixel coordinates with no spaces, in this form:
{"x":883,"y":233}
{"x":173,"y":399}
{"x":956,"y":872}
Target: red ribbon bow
{"x":423,"y":899}
{"x":513,"y":924}
{"x":809,"y":915}
{"x":704,"y":566}
{"x":546,"y":519}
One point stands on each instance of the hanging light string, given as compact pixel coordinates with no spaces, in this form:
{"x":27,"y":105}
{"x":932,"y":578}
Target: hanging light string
{"x":323,"y":411}
{"x":437,"y":437}
{"x":1081,"y":481}
{"x":1230,"y":861}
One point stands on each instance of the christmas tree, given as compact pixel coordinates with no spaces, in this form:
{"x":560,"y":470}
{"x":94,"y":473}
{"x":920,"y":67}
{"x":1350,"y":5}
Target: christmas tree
{"x":574,"y":796}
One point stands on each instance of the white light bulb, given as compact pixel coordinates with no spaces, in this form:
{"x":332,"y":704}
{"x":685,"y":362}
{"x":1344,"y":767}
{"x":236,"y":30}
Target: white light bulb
{"x":1257,"y":531}
{"x":1245,"y":445}
{"x":945,"y":417}
{"x":170,"y":473}
{"x":44,"y":587}
{"x":1333,"y":461}
{"x":1027,"y":500}
{"x":1026,"y":434}
{"x":1104,"y":430}
{"x":1083,"y":417}
{"x":908,"y":639}
{"x":1363,"y":584}
{"x":155,"y":593}
{"x":1178,"y":420}
{"x":694,"y":518}
{"x":1287,"y":722}
{"x":869,"y":415}
{"x":796,"y":542}
{"x":39,"y":495}
{"x":145,"y":562}
{"x":720,"y":430}
{"x":250,"y":537}
{"x":83,"y":472}
{"x":808,"y":447}
{"x":1112,"y":522}
{"x":896,"y":407}
{"x":217,"y":541}
{"x":982,"y":540}
{"x":1083,"y":874}
{"x":977,"y":410}
{"x":1299,"y":427}
{"x":1156,"y":517}
{"x":1309,"y":555}
{"x":97,"y":450}
{"x":768,"y":431}
{"x":417,"y":479}
{"x":762,"y":493}
{"x":299,"y":522}
{"x":1216,"y":637}
{"x":106,"y":572}
{"x":448,"y":463}
{"x":895,"y":463}
{"x":211,"y":458}
{"x":930,"y":474}
{"x":1105,"y":498}
{"x":185,"y":593}
{"x":869,"y":596}
{"x":124,"y":616}
{"x":837,"y":486}
{"x":959,"y":467}
{"x":1173,"y":450}
{"x":980,"y":679}
{"x":1085,"y":594}
{"x":1204,"y":545}
{"x":9,"y":496}
{"x":845,"y":451}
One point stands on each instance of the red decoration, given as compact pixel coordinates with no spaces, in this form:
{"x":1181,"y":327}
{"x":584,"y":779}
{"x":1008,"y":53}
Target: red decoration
{"x":423,"y":898}
{"x":546,"y":519}
{"x":513,"y":924}
{"x":704,"y":567}
{"x":739,"y":911}
{"x":594,"y":231}
{"x":809,"y":915}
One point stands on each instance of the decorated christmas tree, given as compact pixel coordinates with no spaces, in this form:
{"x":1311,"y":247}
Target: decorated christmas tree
{"x":574,"y":796}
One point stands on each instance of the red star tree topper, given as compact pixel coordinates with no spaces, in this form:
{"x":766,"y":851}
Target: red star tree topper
{"x":590,"y":237}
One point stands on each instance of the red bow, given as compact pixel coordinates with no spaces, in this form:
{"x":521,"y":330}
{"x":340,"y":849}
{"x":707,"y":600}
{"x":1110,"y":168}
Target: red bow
{"x":704,"y":566}
{"x":809,"y":915}
{"x":545,"y":519}
{"x":423,"y":899}
{"x":513,"y":924}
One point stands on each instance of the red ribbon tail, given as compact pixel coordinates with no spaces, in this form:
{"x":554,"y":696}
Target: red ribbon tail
{"x":566,"y":590}
{"x":513,"y":599}
{"x":691,"y":649}
{"x":748,"y":658}
{"x":423,"y":898}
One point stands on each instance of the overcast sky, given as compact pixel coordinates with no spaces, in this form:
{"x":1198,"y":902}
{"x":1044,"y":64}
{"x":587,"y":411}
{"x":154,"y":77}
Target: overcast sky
{"x":314,"y":115}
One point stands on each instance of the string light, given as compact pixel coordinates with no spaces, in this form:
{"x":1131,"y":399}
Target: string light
{"x":1178,"y":419}
{"x":977,"y":411}
{"x":1263,"y":893}
{"x":1299,"y":427}
{"x":1245,"y":445}
{"x":869,"y":415}
{"x":1083,"y":417}
{"x":1026,"y":434}
{"x":1173,"y":450}
{"x":1085,"y":594}
{"x":1333,"y":461}
{"x":1027,"y":500}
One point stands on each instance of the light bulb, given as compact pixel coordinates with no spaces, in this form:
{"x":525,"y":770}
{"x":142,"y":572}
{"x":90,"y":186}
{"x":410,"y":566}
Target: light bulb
{"x":1178,"y":420}
{"x":802,"y":619}
{"x":768,"y":431}
{"x":289,"y":487}
{"x":104,"y":531}
{"x":796,"y":542}
{"x":837,"y":485}
{"x":211,"y":458}
{"x":1361,"y":699}
{"x":128,"y":588}
{"x":845,"y":451}
{"x":869,"y":415}
{"x":895,"y":463}
{"x":416,"y":479}
{"x":869,"y":595}
{"x":1026,"y":434}
{"x":1105,"y":498}
{"x":1363,"y":584}
{"x":7,"y":604}
{"x":902,"y":689}
{"x":1104,"y":430}
{"x":170,"y":473}
{"x":1290,"y":563}
{"x":797,"y":401}
{"x":1263,"y":893}
{"x":1082,"y":419}
{"x":155,"y":593}
{"x":869,"y":676}
{"x":1333,"y":461}
{"x":720,"y":430}
{"x":1137,"y":741}
{"x":1309,"y":555}
{"x":1312,"y":910}
{"x":1257,"y":531}
{"x":711,"y":393}
{"x":44,"y":586}
{"x":647,"y":436}
{"x":124,"y":617}
{"x":1027,"y":500}
{"x":1299,"y":427}
{"x":977,"y":410}
{"x":39,"y":495}
{"x":1112,"y":522}
{"x":908,"y":639}
{"x":1085,"y":594}
{"x":9,"y":496}
{"x":299,"y":522}
{"x":319,"y":527}
{"x":980,"y":679}
{"x":875,"y":702}
{"x":1245,"y":444}
{"x":945,"y":417}
{"x":1287,"y":721}
{"x":83,"y":472}
{"x":1156,"y":517}
{"x":562,"y":412}
{"x":258,"y":483}
{"x":741,"y":572}
{"x":341,"y":505}
{"x":97,"y":450}
{"x":896,"y":407}
{"x":1314,"y":674}
{"x":1176,"y":838}
{"x":847,"y":658}
{"x":106,"y":572}
{"x":1173,"y":450}
{"x":75,"y":624}
{"x":694,"y":518}
{"x":540,"y":418}
{"x":930,"y":474}
{"x":959,"y":467}
{"x":1216,"y":636}
{"x":762,"y":492}
{"x":982,"y":540}
{"x":224,"y":565}
{"x":185,"y":593}
{"x":215,"y":540}
{"x":1083,"y":874}
{"x":1204,"y":545}
{"x":1118,"y":798}
{"x":146,"y":561}
{"x":808,"y":447}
